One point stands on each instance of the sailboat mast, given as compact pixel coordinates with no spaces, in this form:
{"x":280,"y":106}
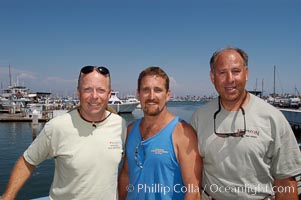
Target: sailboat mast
{"x":274,"y":92}
{"x":262,"y":87}
{"x":9,"y":75}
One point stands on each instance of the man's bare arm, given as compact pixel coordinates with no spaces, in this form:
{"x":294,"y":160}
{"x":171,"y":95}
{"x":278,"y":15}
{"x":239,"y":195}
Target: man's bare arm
{"x":189,"y":159}
{"x":20,"y":174}
{"x":286,"y":189}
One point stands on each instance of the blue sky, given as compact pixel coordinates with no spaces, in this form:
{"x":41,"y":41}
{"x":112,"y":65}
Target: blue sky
{"x":47,"y":42}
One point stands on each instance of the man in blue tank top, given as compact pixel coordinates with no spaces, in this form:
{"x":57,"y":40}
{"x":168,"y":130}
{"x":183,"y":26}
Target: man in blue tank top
{"x":162,"y":159}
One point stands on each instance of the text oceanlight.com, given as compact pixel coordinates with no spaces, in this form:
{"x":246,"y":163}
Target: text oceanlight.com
{"x":250,"y":189}
{"x":163,"y":189}
{"x":213,"y":188}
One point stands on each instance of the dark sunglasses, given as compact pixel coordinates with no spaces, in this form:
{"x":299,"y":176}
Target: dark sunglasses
{"x":239,"y":133}
{"x":88,"y":69}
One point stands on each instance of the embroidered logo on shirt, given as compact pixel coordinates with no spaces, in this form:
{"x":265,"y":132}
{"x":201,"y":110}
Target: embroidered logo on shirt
{"x":252,"y":133}
{"x":159,"y":151}
{"x":114,"y":145}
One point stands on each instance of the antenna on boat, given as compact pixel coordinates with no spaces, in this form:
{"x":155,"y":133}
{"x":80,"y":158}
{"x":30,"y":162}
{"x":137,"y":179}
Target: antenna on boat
{"x":297,"y":91}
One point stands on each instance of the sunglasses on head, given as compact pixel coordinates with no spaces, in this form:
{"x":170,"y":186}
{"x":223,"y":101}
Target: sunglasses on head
{"x":88,"y":69}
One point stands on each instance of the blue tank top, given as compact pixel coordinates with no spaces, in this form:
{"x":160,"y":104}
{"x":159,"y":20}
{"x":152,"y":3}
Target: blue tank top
{"x":154,"y":171}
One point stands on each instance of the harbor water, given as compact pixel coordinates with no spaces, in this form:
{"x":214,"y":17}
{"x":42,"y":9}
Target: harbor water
{"x":15,"y":137}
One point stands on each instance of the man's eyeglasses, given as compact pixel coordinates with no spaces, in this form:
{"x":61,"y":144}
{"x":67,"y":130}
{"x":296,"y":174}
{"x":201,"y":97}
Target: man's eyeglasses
{"x":239,"y":133}
{"x":139,"y":154}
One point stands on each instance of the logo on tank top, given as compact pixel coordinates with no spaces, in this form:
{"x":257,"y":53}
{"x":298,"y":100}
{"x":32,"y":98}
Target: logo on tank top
{"x":159,"y":151}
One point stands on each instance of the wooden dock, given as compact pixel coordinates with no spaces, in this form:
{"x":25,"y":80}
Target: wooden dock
{"x":6,"y":117}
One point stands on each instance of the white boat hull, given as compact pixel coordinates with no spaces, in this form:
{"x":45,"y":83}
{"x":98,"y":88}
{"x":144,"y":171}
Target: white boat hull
{"x":124,"y":107}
